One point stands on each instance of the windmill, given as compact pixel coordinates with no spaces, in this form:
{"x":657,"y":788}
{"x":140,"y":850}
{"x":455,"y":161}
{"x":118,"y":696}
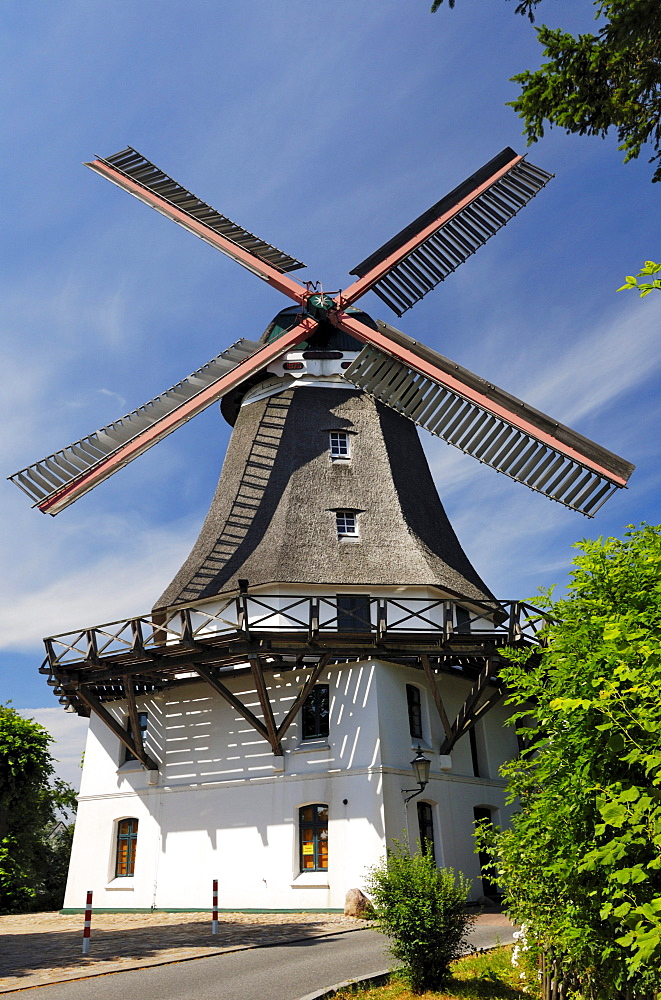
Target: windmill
{"x":451,"y":402}
{"x":327,"y":614}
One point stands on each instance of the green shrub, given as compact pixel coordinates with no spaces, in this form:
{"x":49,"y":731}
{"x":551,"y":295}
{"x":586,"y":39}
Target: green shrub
{"x":581,"y":864}
{"x":422,"y":909}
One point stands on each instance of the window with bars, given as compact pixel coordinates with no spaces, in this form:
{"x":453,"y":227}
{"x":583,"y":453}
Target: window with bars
{"x":414,"y":702}
{"x":347,"y":523}
{"x":127,"y":840}
{"x":143,"y":720}
{"x":315,"y":713}
{"x":313,"y":838}
{"x":426,"y":828}
{"x":339,"y":444}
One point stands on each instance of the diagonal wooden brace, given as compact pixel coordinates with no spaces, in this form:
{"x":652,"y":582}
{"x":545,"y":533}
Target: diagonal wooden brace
{"x":302,"y":695}
{"x":225,"y":693}
{"x":267,"y":709}
{"x":133,"y":713}
{"x":436,"y":695}
{"x":468,"y":714}
{"x":136,"y":749}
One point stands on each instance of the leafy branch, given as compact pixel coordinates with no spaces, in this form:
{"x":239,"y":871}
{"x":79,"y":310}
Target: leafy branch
{"x":648,"y":269}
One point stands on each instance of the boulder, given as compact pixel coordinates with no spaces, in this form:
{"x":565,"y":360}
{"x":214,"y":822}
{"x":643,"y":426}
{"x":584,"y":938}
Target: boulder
{"x":356,"y":904}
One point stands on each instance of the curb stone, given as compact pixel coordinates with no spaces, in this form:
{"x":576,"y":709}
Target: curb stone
{"x":138,"y":966}
{"x":378,"y":979}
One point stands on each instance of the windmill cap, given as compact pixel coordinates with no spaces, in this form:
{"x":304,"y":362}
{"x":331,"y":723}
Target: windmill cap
{"x":326,"y":337}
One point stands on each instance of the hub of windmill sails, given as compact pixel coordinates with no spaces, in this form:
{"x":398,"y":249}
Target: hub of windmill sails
{"x":319,"y":361}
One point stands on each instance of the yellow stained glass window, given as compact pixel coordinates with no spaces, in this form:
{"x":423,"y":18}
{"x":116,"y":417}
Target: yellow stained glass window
{"x":313,"y":837}
{"x":127,"y":839}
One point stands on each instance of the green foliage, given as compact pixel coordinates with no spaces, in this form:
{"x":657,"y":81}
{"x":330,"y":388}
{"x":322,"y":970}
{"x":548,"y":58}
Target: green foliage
{"x":31,"y":865}
{"x":646,"y":287}
{"x":526,"y":7}
{"x":595,"y":82}
{"x":488,"y":975}
{"x":422,"y":909}
{"x":582,"y":862}
{"x":55,"y":871}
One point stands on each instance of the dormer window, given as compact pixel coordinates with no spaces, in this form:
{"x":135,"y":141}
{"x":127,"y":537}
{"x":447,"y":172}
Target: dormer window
{"x":339,"y":445}
{"x":347,"y":523}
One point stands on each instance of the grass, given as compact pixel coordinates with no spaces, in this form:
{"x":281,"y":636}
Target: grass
{"x":486,"y":976}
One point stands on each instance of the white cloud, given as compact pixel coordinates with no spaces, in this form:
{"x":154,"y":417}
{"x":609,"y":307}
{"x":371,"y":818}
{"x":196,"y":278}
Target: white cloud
{"x":113,"y":395}
{"x":612,"y":358}
{"x":106,"y":586}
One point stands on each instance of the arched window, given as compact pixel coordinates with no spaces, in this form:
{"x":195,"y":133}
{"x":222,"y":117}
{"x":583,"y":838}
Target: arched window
{"x":426,"y":828}
{"x":127,"y":840}
{"x":485,"y":815}
{"x":414,"y":702}
{"x":313,"y":838}
{"x":315,"y":713}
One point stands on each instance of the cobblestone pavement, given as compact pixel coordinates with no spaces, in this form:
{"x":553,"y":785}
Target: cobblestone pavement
{"x":41,"y":948}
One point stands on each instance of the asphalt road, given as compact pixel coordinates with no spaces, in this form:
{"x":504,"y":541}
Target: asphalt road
{"x":282,"y":972}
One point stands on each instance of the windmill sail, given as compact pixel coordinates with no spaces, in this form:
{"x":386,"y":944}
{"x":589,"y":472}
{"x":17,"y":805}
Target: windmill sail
{"x":449,"y":401}
{"x":134,"y":173}
{"x":59,"y":479}
{"x":417,"y":259}
{"x":486,"y":422}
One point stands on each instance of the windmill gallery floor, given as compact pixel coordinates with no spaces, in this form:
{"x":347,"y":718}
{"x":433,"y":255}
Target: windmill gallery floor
{"x":41,"y":948}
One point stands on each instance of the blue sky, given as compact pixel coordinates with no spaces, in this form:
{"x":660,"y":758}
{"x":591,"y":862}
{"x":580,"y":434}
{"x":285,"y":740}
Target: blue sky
{"x":324,"y":127}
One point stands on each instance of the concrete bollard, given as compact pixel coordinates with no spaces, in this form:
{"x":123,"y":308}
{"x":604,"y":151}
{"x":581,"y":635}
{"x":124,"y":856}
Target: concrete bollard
{"x":88,"y":924}
{"x":214,"y":919}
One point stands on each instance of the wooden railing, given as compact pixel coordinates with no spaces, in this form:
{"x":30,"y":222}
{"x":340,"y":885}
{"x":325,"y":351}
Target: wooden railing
{"x":376,"y":618}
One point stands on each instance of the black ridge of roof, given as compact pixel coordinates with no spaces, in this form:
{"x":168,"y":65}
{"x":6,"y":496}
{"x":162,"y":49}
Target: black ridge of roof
{"x":455,"y":196}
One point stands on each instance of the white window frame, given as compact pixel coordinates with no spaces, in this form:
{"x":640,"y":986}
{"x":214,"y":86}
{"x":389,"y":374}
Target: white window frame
{"x":339,"y":443}
{"x":346,"y":522}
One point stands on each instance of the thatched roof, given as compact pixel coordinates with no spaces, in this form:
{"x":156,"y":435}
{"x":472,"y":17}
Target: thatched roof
{"x":272,"y":519}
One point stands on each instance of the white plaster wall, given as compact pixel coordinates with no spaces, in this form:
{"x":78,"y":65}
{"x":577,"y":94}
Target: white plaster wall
{"x":225,"y":807}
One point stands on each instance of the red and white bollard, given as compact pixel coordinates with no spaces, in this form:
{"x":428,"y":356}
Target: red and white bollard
{"x":214,"y":918}
{"x":88,"y":924}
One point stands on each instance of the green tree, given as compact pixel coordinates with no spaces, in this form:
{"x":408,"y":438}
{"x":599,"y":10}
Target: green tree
{"x":594,"y":82}
{"x":422,"y":909}
{"x":581,"y":865}
{"x":29,"y":803}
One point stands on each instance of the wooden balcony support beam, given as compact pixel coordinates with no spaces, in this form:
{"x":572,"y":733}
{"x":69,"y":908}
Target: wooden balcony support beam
{"x":127,"y":684}
{"x":122,"y":735}
{"x":267,"y":708}
{"x":436,"y":695}
{"x":302,"y":695}
{"x":231,"y":698}
{"x":470,"y":712}
{"x":162,"y":669}
{"x":485,"y":707}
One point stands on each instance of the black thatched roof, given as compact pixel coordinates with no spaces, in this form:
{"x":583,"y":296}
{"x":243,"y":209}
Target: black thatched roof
{"x":272,"y":518}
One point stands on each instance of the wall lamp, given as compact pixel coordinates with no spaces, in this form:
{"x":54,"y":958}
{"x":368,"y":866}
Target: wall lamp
{"x":421,"y":766}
